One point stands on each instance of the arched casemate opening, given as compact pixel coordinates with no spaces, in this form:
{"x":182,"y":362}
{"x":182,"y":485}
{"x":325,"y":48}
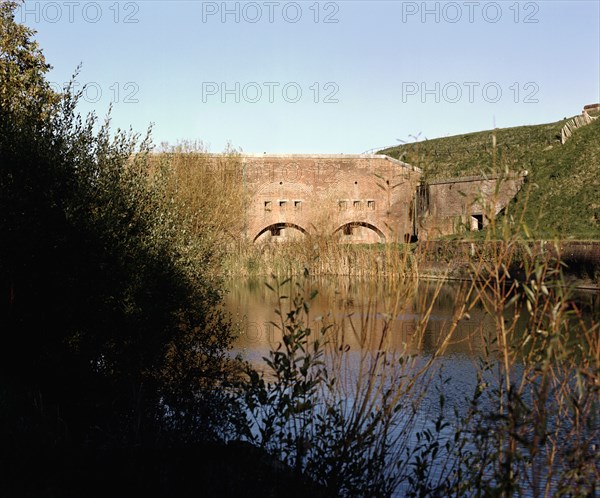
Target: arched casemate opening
{"x":360,"y":232}
{"x":279,"y":232}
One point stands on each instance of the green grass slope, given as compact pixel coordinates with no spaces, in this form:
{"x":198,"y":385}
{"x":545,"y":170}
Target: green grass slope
{"x":562,"y":194}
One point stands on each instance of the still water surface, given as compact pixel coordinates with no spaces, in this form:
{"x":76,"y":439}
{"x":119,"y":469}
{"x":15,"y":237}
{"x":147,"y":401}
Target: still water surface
{"x":358,"y":302}
{"x":366,"y":305}
{"x":360,"y":305}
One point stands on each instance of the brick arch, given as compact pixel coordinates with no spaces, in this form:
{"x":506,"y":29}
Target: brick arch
{"x":276,"y":226}
{"x":370,"y":226}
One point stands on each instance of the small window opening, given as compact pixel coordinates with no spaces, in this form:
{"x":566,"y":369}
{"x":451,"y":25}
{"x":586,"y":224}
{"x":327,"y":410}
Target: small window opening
{"x":282,"y":204}
{"x":371,"y":204}
{"x":357,"y":204}
{"x":478,"y":221}
{"x":343,"y":205}
{"x":297,"y":205}
{"x":267,"y":205}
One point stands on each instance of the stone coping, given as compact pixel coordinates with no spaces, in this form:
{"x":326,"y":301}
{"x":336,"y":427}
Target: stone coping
{"x":302,"y":156}
{"x":328,"y":156}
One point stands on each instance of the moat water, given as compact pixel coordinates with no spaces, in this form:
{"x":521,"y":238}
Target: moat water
{"x":362,"y":308}
{"x":368,"y":304}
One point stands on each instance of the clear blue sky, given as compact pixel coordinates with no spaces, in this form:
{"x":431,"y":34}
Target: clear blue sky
{"x":326,"y":77}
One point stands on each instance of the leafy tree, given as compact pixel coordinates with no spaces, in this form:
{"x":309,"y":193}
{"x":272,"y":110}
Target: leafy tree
{"x":111,"y":326}
{"x":24,"y":92}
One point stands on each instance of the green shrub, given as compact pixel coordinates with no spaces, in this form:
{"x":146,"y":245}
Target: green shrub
{"x":111,"y":324}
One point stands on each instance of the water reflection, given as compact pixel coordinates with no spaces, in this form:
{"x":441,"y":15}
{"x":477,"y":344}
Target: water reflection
{"x":361,"y":308}
{"x":367,"y":306}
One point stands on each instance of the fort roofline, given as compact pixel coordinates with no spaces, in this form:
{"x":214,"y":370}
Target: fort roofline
{"x":324,"y":156}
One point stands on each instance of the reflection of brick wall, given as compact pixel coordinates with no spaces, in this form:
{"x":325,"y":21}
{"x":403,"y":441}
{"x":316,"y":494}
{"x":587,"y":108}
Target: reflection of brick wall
{"x":349,"y":300}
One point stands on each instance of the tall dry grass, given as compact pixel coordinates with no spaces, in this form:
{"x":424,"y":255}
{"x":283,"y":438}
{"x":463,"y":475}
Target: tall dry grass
{"x":207,"y":190}
{"x":322,"y":255}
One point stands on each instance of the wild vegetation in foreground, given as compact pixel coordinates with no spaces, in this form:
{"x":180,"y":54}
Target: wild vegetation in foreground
{"x":114,"y":341}
{"x":352,"y":417}
{"x":115,"y":376}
